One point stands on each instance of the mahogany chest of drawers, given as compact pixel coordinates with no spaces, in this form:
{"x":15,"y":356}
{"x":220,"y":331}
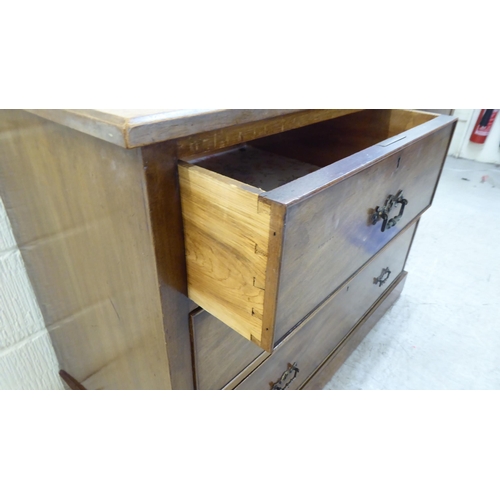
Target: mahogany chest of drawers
{"x":219,"y":249}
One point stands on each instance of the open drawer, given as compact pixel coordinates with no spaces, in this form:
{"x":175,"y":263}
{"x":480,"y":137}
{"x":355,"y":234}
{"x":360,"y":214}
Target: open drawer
{"x":274,"y":226}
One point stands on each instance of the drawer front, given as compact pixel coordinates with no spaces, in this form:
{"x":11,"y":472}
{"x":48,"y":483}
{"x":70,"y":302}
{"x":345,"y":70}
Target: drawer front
{"x":219,"y":353}
{"x":330,"y":234}
{"x":330,"y":366}
{"x":250,"y":251}
{"x":323,"y":331}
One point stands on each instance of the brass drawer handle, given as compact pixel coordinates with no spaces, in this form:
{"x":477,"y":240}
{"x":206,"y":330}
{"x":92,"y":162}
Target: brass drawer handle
{"x":287,"y":378}
{"x":381,"y":280}
{"x":384,"y":211}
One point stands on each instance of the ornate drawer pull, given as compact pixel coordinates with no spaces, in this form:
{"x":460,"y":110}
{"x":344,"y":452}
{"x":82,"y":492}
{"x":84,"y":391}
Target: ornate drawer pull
{"x":286,"y":379}
{"x":381,"y":280}
{"x":383,"y":212}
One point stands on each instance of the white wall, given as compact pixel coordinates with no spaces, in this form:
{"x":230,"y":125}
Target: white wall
{"x":27,"y":359}
{"x":461,"y":147}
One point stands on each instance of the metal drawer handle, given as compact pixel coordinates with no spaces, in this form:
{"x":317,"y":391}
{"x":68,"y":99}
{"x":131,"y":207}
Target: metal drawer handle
{"x":286,"y":379}
{"x":381,"y":280}
{"x":384,"y":211}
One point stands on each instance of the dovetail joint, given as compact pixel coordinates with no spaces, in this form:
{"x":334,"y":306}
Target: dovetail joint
{"x":258,"y":251}
{"x":255,"y":284}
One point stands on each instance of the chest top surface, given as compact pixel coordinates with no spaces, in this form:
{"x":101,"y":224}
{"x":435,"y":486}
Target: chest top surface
{"x":131,"y":128}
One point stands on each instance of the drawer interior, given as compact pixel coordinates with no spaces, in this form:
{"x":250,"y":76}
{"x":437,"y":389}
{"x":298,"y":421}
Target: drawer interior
{"x":274,"y":161}
{"x":257,"y":226}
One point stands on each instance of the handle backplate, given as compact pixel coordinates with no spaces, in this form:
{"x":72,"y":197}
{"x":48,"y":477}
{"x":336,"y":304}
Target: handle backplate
{"x":382,"y":213}
{"x":286,"y":378}
{"x":384,"y":276}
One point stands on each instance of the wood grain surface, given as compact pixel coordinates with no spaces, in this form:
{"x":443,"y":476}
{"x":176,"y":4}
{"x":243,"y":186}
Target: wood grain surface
{"x":79,"y":212}
{"x":322,"y":215}
{"x":227,"y":235}
{"x":255,"y":167}
{"x":328,"y":325}
{"x":163,"y":200}
{"x":340,"y":151}
{"x":326,"y":142}
{"x":213,"y":140}
{"x":329,"y":235}
{"x":330,"y":366}
{"x":133,"y":128}
{"x":220,"y":353}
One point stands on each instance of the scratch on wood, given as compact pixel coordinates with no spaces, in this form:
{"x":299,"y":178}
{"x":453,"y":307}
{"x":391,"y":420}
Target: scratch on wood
{"x":115,"y":309}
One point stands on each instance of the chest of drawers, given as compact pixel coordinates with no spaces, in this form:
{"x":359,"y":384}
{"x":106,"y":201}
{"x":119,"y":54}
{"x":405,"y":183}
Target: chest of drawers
{"x":222,"y":249}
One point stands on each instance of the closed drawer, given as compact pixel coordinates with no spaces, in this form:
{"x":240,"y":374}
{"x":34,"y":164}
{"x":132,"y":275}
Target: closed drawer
{"x":295,"y":211}
{"x":219,"y":353}
{"x":325,"y":329}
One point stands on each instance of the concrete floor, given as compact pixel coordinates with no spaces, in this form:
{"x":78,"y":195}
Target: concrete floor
{"x":444,"y":331}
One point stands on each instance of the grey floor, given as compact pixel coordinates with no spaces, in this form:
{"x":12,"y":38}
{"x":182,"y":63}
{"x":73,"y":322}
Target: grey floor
{"x":444,"y":331}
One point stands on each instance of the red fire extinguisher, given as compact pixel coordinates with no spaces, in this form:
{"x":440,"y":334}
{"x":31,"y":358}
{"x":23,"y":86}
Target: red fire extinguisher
{"x":483,"y":125}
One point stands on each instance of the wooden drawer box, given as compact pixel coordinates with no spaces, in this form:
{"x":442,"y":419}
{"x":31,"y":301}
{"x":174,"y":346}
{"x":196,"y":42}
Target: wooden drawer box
{"x":298,"y":210}
{"x":326,"y":327}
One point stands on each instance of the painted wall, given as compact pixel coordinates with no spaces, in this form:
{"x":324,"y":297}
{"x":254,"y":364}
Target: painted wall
{"x":461,"y":147}
{"x":27,"y":359}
